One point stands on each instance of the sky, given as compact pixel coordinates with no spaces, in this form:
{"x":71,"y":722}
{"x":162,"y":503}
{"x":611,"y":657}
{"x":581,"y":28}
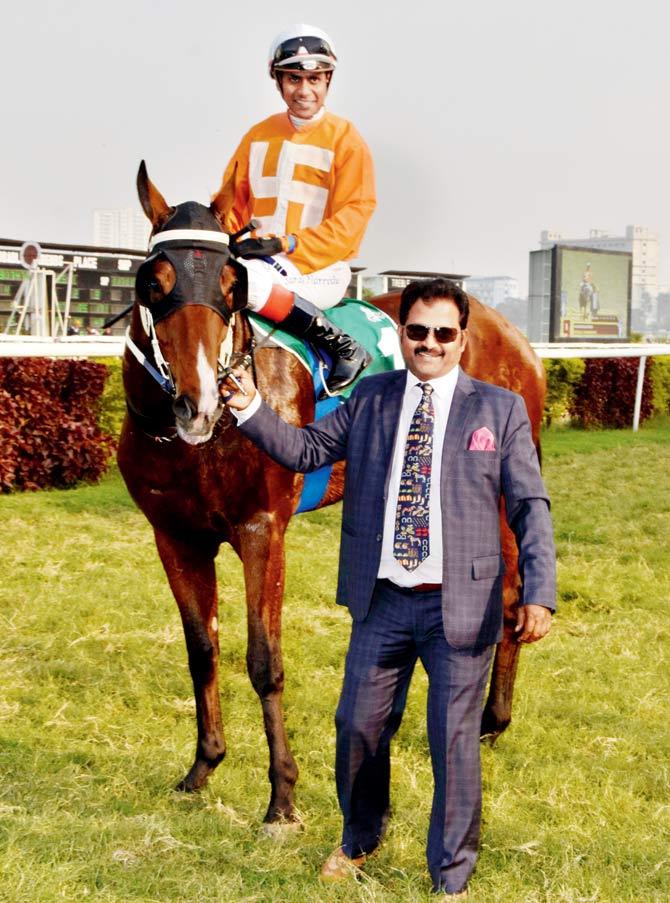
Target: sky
{"x":487,"y":121}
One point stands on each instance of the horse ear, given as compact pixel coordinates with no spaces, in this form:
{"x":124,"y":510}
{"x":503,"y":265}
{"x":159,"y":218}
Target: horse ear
{"x":153,"y":203}
{"x":222,"y":202}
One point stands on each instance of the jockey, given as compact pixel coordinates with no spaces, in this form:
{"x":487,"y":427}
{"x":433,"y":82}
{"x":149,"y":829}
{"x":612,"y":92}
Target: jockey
{"x":307,"y":176}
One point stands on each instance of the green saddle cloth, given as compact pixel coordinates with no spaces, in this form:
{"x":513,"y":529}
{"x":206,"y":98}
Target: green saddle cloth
{"x":370,"y":326}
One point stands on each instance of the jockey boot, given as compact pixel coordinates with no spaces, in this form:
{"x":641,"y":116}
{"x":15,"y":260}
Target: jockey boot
{"x":349,"y":358}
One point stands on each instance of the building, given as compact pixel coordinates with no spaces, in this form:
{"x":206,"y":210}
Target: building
{"x":121,"y":228}
{"x":395,"y":280}
{"x":103,"y":280}
{"x":493,"y":290}
{"x":638,"y":241}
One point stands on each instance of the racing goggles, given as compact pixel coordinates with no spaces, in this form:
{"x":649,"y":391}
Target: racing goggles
{"x":306,"y":52}
{"x":417,"y":332}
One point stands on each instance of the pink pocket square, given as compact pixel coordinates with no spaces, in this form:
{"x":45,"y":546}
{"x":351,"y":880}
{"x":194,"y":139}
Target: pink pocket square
{"x":482,"y":440}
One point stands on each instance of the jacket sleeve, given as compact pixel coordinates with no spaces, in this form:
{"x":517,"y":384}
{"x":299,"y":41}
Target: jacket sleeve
{"x":527,"y":505}
{"x":302,"y":450}
{"x":352,"y":203}
{"x":236,"y":183}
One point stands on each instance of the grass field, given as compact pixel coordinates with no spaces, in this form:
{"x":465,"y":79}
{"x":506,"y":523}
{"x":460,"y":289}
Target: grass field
{"x":96,"y":712}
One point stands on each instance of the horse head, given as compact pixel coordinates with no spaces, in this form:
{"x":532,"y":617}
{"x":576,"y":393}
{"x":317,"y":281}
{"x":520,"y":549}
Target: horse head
{"x":184,"y":289}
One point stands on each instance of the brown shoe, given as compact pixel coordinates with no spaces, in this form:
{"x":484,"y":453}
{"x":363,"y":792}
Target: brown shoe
{"x":339,"y":866}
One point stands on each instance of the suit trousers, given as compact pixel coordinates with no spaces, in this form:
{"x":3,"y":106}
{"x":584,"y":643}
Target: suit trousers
{"x":401,"y":627}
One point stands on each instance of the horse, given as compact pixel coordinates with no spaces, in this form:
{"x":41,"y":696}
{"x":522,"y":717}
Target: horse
{"x":585,"y":299}
{"x":200,"y":483}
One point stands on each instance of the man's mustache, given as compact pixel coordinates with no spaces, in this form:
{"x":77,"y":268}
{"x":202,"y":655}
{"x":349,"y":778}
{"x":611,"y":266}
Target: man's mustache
{"x":434,"y":352}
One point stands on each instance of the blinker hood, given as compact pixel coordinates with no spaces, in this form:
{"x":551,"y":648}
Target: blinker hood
{"x":193,"y":243}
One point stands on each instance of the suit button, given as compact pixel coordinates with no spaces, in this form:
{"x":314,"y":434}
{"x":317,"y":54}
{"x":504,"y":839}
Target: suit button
{"x":378,"y":537}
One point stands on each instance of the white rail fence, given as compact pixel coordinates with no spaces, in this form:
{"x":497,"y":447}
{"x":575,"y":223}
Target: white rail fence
{"x":112,"y":346}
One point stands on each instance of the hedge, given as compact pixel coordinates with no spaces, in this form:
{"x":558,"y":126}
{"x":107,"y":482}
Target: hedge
{"x":112,"y":407}
{"x":600,"y":392}
{"x":49,"y":430}
{"x":605,"y":395}
{"x":563,"y":376}
{"x":660,"y":380}
{"x":60,"y":419}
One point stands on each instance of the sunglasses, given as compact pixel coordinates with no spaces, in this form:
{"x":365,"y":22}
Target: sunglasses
{"x":417,"y":332}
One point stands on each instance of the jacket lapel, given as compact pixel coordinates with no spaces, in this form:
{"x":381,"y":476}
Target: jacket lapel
{"x":464,"y":396}
{"x":391,"y":403}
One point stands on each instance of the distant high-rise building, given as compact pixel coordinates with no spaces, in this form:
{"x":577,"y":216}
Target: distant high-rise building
{"x":121,"y":228}
{"x":638,"y":240}
{"x":492,"y":290}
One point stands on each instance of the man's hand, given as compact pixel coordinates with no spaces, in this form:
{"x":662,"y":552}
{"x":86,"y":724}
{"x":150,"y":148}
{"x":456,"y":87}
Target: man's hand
{"x":532,"y":623}
{"x":231,"y":394}
{"x":260,"y":247}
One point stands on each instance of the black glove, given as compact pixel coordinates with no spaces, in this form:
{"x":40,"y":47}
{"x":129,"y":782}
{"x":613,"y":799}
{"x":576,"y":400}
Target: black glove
{"x":258,"y":247}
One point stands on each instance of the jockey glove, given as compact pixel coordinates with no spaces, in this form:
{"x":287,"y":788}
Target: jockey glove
{"x":264,"y":247}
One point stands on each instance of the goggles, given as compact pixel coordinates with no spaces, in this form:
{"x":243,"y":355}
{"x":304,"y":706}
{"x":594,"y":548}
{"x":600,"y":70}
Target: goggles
{"x":307,"y":51}
{"x":417,"y":332}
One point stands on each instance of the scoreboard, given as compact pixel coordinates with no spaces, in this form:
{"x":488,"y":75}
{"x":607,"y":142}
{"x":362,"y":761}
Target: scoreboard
{"x":103,"y":280}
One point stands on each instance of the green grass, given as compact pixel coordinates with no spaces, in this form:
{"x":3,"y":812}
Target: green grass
{"x":96,"y":711}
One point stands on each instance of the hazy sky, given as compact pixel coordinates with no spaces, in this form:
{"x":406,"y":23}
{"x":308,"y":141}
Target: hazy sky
{"x":487,"y":121}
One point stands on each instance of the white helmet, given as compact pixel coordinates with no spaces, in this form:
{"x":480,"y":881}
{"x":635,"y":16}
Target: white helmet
{"x":302,"y":47}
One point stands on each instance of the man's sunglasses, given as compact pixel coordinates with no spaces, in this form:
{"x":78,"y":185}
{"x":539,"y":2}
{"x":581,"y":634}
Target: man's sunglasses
{"x":417,"y":332}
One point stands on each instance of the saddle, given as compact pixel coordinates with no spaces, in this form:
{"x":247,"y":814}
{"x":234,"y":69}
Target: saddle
{"x":370,"y":326}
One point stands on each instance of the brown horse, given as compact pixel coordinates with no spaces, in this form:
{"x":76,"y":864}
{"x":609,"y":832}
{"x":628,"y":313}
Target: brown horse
{"x":199,"y":482}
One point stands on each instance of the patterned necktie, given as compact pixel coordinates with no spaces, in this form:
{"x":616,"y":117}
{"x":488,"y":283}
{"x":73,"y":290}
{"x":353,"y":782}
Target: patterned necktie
{"x":411,"y":542}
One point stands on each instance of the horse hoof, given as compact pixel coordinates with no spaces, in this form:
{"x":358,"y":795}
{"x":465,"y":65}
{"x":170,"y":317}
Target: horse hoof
{"x":491,"y":728}
{"x":195,"y":779}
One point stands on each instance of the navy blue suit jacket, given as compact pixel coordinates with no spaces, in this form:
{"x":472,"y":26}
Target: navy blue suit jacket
{"x":362,"y":432}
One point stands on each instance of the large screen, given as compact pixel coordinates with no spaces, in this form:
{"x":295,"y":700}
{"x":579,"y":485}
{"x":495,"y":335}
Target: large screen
{"x":591,"y":297}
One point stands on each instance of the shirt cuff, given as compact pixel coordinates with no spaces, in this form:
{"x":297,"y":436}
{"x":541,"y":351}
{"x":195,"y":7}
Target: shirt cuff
{"x":249,"y":411}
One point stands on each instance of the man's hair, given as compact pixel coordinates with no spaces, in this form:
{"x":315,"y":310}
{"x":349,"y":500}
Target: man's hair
{"x":428,"y":290}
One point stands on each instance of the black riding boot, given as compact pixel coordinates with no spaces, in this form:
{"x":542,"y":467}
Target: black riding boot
{"x":306,"y":321}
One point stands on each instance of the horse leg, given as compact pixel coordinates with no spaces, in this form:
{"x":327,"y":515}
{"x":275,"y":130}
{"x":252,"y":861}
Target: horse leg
{"x":191,"y":574}
{"x":497,"y":712}
{"x":261,"y":547}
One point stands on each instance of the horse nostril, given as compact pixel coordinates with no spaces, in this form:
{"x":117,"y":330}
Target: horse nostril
{"x":184,"y":408}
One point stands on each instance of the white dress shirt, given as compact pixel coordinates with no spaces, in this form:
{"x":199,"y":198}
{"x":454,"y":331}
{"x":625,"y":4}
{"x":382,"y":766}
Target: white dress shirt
{"x":430,"y":569}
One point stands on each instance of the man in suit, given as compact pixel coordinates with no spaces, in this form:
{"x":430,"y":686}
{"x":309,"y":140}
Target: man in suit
{"x":429,"y":453}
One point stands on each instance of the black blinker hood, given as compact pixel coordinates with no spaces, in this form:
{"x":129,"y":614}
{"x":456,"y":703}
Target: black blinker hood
{"x":197,"y":264}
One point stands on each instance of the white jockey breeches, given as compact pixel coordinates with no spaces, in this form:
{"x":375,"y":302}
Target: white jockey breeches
{"x":324,"y":288}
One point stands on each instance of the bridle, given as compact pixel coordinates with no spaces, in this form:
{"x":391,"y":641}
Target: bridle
{"x":198,"y":257}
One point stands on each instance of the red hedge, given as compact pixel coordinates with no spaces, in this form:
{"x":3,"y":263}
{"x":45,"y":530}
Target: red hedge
{"x":605,"y":395}
{"x":49,"y":435}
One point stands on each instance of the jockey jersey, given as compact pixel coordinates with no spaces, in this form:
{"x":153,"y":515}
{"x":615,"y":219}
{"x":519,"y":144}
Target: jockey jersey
{"x":315,"y":182}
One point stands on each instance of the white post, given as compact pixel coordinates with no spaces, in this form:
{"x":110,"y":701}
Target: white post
{"x":638,"y":392}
